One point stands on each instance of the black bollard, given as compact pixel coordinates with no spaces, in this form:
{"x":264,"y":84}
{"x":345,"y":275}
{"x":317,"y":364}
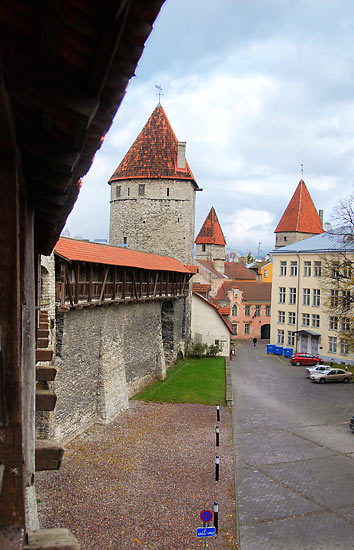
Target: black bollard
{"x":216,"y":517}
{"x":218,"y":413}
{"x":217,"y":435}
{"x":217,"y":466}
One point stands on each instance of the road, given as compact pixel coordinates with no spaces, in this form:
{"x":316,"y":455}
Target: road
{"x":294,"y":456}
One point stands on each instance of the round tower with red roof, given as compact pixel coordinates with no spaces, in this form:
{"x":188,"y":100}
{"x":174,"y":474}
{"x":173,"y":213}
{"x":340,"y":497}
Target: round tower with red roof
{"x":300,"y":219}
{"x":210,"y":242}
{"x":153,"y":194}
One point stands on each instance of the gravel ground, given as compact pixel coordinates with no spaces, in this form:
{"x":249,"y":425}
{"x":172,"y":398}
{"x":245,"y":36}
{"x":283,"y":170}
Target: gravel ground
{"x":142,"y":481}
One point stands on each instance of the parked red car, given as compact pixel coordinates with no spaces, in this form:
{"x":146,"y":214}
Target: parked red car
{"x":305,"y":359}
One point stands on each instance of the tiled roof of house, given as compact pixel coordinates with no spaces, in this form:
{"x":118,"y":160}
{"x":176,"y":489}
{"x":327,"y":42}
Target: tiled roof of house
{"x":300,"y":214}
{"x":252,"y":291}
{"x":211,"y":232}
{"x":153,"y":154}
{"x":85,"y":251}
{"x":201,"y":287}
{"x":217,"y":308}
{"x":238,"y":271}
{"x":208,"y":264}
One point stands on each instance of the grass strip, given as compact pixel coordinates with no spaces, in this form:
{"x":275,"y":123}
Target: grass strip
{"x":190,"y":381}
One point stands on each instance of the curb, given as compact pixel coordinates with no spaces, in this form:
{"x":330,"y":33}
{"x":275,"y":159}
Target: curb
{"x":229,"y":394}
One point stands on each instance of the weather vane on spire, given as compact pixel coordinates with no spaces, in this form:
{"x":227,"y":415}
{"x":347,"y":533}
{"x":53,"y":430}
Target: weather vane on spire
{"x":302,"y":168}
{"x":160,"y":92}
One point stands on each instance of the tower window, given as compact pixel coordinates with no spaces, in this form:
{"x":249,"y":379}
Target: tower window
{"x":203,"y":247}
{"x":118,"y":190}
{"x":141,"y":189}
{"x":125,"y":240}
{"x":168,"y":191}
{"x":128,"y":191}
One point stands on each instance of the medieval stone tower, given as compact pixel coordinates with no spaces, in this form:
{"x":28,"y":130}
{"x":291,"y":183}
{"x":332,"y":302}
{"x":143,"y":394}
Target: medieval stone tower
{"x":300,"y":219}
{"x":210,"y":242}
{"x":153,"y":194}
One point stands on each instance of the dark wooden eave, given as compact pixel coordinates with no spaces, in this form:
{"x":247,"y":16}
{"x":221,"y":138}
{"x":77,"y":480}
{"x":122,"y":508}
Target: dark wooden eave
{"x":65,"y":65}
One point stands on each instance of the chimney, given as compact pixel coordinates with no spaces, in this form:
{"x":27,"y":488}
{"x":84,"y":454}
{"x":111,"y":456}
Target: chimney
{"x":320,"y":213}
{"x":181,"y":155}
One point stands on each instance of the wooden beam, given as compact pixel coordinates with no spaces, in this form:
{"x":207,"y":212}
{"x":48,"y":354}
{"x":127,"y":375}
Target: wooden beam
{"x":45,"y":400}
{"x":155,"y":285}
{"x":90,"y":282}
{"x":62,"y":284}
{"x":68,"y":283}
{"x":77,"y":278}
{"x":44,"y":355}
{"x":49,"y":454}
{"x":46,"y":373}
{"x":51,"y":539}
{"x":103,"y":285}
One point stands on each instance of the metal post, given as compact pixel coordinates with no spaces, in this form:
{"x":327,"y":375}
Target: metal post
{"x":218,"y":413}
{"x":216,"y":517}
{"x":217,"y":435}
{"x":217,"y":465}
{"x":205,"y":538}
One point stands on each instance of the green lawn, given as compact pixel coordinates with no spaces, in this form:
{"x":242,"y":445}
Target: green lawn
{"x":190,"y":381}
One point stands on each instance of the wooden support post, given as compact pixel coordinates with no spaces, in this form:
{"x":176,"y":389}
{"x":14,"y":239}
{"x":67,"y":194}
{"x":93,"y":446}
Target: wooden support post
{"x":62,"y":284}
{"x":68,"y":282}
{"x":103,"y":285}
{"x":155,"y":285}
{"x":90,"y":283}
{"x":124,"y":282}
{"x":114,"y":281}
{"x":77,"y":279}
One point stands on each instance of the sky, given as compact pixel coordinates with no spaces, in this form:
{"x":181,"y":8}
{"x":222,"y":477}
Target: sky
{"x":255,"y":88}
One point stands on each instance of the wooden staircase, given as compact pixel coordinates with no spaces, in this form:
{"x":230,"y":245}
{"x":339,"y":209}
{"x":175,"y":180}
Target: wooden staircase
{"x":49,"y":453}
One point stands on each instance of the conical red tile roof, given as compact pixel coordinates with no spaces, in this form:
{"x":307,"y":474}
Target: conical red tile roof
{"x":300,"y":214}
{"x":153,"y":154}
{"x":211,"y":232}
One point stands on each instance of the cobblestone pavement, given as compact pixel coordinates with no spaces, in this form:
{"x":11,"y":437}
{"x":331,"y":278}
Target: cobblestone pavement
{"x":141,"y":481}
{"x":294,"y":455}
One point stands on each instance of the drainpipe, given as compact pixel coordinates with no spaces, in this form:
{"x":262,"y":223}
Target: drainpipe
{"x":297,"y":303}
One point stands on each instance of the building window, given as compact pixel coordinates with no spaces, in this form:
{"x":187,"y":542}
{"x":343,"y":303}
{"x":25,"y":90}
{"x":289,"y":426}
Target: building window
{"x":257,"y":311}
{"x":128,"y":190}
{"x":306,"y":296}
{"x":333,"y":300}
{"x":343,"y":347}
{"x":203,"y":247}
{"x":291,"y":338}
{"x":307,"y":269}
{"x":141,"y":190}
{"x":265,"y":273}
{"x":282,"y":268}
{"x":316,"y":297}
{"x":280,"y":336}
{"x":335,"y":271}
{"x":333,"y":323}
{"x":247,"y":328}
{"x":345,"y":324}
{"x":234,"y":328}
{"x":234,"y":310}
{"x":281,"y":316}
{"x":168,"y":191}
{"x":118,"y":191}
{"x":268,"y":311}
{"x":332,"y":344}
{"x":305,"y":319}
{"x":282,"y":292}
{"x":125,"y":240}
{"x":346,"y":299}
{"x":247,"y":311}
{"x":292,"y":318}
{"x":315,"y":321}
{"x":347,"y":270}
{"x":292,"y":297}
{"x":317,"y":269}
{"x":293,"y":269}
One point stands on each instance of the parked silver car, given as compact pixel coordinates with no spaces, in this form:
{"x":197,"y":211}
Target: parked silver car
{"x":315,"y":369}
{"x":331,"y":375}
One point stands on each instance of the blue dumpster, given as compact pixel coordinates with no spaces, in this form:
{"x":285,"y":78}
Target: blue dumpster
{"x":278,"y":350}
{"x":270,"y":348}
{"x":288,"y":352}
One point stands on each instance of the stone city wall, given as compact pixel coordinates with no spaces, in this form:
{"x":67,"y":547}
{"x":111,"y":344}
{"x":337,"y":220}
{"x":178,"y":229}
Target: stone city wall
{"x":104,"y":355}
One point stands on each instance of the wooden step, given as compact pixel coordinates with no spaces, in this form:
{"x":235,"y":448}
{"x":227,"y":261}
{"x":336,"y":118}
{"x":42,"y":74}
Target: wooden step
{"x":49,"y":454}
{"x":46,"y":373}
{"x":43,"y":326}
{"x":44,"y":354}
{"x":51,"y":539}
{"x":42,"y":333}
{"x":42,"y":342}
{"x":45,"y":400}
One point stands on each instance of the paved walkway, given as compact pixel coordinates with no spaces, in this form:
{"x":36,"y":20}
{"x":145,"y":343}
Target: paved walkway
{"x":294,"y":456}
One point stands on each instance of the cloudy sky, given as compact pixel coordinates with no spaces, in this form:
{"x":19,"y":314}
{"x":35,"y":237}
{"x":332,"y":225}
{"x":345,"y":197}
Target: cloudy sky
{"x":254,"y":87}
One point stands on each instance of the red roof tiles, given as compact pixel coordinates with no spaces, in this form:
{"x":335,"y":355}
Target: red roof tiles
{"x":236,"y":271}
{"x":85,"y":251}
{"x":154,"y":153}
{"x":201,"y":287}
{"x":300,"y":214}
{"x":252,"y":291}
{"x":211,"y":232}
